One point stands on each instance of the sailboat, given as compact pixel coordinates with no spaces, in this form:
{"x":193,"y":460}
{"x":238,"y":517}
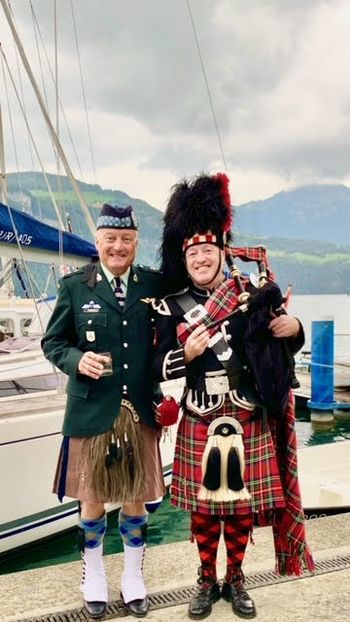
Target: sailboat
{"x":22,"y":364}
{"x":33,"y":241}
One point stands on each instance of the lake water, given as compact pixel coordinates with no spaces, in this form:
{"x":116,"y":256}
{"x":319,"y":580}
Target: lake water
{"x":335,"y":307}
{"x":169,"y":524}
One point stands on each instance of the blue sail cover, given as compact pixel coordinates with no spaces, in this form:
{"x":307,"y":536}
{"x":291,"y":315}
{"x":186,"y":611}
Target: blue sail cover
{"x":33,"y":233}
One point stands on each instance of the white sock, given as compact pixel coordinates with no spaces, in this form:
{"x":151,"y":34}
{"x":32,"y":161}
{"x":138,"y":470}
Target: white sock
{"x":132,"y":583}
{"x":94,"y":582}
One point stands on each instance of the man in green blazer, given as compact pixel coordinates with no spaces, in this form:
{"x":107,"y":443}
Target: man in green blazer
{"x":101,"y":335}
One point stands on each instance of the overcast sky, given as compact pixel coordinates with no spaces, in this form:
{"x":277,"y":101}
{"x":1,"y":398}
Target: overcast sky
{"x":278,"y":73}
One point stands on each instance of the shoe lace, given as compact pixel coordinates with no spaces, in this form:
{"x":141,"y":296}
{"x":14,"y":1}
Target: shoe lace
{"x":236,"y":578}
{"x":206,"y":576}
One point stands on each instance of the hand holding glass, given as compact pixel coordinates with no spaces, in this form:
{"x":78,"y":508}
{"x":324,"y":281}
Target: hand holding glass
{"x":107,"y":364}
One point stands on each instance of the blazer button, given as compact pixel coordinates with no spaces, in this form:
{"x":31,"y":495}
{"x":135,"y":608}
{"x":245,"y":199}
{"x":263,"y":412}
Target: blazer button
{"x":125,"y":322}
{"x":125,"y":345}
{"x":125,"y":366}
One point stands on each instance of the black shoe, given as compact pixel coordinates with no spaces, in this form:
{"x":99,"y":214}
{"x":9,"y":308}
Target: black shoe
{"x":242,"y":604}
{"x":201,"y":604}
{"x":95,"y":608}
{"x":138,"y":608}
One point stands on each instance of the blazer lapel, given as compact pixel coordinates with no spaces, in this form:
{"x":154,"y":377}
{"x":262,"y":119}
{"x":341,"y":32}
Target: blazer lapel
{"x":134,"y":289}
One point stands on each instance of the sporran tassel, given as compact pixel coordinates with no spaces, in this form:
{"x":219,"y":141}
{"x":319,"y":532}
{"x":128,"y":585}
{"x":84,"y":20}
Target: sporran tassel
{"x":113,"y":448}
{"x":234,"y":475}
{"x":212,"y":467}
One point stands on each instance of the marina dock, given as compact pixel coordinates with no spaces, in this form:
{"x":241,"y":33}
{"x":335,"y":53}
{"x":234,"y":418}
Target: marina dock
{"x":341,"y":385}
{"x":52,"y":594}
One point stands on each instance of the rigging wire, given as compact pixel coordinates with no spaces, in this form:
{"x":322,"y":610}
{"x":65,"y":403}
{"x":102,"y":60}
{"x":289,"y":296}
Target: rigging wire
{"x":69,"y":134}
{"x":83,"y":91}
{"x":89,"y":220}
{"x":26,"y":269}
{"x":211,"y":101}
{"x":4,"y":59}
{"x":3,"y":180}
{"x":10,"y":116}
{"x":58,"y":161}
{"x":43,"y":86}
{"x":36,"y":29}
{"x":39,"y":56}
{"x":31,"y":281}
{"x":23,"y":100}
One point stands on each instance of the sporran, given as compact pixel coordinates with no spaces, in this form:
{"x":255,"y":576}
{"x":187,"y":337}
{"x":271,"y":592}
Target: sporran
{"x":116,"y":458}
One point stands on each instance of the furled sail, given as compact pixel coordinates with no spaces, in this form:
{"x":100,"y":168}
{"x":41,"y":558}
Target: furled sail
{"x":40,"y":242}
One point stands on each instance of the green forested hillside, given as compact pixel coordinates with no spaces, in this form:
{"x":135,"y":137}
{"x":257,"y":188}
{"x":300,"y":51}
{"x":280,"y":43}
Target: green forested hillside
{"x":30,"y":193}
{"x":311,"y":265}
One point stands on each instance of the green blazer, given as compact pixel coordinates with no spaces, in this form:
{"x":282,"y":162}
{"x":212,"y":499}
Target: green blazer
{"x":87,"y":316}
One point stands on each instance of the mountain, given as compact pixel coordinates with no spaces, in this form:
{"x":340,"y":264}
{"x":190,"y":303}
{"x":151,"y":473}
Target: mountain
{"x":306,"y":231}
{"x":312,"y":212}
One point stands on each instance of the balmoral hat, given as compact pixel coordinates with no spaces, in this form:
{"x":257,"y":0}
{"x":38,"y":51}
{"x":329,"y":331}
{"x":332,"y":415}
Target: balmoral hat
{"x":116,"y":217}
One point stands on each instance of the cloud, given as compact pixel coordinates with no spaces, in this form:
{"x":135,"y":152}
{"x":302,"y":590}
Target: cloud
{"x":277,"y":74}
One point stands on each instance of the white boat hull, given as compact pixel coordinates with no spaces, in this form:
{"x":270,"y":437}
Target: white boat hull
{"x":30,"y":440}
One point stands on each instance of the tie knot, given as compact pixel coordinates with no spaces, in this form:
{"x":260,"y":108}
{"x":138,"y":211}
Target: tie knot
{"x":117,"y":281}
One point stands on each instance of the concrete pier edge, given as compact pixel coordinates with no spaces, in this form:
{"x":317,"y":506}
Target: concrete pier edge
{"x":34,"y":594}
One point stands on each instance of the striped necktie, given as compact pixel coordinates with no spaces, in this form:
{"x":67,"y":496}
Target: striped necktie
{"x":118,"y":292}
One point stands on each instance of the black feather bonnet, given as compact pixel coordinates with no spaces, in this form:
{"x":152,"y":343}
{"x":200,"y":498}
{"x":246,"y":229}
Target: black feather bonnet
{"x":199,"y":211}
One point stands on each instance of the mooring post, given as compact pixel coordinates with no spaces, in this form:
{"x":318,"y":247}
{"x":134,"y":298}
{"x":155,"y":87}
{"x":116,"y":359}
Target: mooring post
{"x":322,"y":371}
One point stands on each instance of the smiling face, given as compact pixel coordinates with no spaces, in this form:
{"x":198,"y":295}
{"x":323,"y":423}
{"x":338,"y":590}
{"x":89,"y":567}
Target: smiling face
{"x":204,"y":265}
{"x":116,"y":248}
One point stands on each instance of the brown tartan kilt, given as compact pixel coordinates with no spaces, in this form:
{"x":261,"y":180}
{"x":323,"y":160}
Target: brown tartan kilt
{"x":261,"y":470}
{"x":78,"y":482}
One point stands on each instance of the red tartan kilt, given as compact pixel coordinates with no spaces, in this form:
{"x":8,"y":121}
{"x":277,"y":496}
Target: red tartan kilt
{"x":261,"y":471}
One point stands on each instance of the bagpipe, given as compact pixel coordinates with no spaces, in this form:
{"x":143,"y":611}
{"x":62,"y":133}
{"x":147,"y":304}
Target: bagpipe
{"x":270,"y":358}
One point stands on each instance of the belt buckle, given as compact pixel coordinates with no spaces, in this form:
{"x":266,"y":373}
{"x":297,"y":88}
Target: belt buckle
{"x":217,"y":385}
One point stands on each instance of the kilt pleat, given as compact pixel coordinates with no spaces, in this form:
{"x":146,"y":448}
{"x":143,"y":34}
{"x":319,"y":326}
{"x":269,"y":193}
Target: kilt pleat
{"x":261,"y":469}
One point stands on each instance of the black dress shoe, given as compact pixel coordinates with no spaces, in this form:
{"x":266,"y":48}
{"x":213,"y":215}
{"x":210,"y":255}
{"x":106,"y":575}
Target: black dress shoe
{"x":201,"y":604}
{"x":242,"y":604}
{"x":138,"y":608}
{"x":95,"y":608}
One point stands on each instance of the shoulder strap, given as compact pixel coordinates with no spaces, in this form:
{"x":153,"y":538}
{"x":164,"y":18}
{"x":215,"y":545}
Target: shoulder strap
{"x":218,"y":344}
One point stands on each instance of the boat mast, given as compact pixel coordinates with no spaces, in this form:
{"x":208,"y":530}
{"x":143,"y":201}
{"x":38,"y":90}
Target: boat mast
{"x":57,"y":143}
{"x":8,"y":286}
{"x":2,"y":164}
